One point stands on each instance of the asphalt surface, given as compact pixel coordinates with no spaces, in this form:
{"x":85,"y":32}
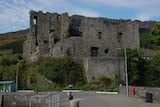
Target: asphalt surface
{"x":91,"y":99}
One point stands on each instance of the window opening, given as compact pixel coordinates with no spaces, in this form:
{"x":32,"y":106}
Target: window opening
{"x":99,"y":35}
{"x":106,"y":51}
{"x":94,"y":51}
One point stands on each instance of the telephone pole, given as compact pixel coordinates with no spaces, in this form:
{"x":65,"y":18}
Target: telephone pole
{"x":126,"y":73}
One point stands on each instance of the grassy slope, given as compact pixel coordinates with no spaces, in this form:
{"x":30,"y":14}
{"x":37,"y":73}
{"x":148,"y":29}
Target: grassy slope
{"x":4,"y":42}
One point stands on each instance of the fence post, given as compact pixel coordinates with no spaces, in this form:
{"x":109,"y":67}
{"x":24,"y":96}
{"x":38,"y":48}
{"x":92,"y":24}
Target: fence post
{"x":30,"y":101}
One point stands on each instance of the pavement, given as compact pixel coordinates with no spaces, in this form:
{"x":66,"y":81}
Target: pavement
{"x":92,"y":99}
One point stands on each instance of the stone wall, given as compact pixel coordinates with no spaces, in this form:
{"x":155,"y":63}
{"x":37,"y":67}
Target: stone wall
{"x":140,"y":91}
{"x":16,"y":100}
{"x":70,"y":46}
{"x":25,"y":99}
{"x":107,"y":35}
{"x":94,"y":41}
{"x":130,"y":35}
{"x":96,"y":67}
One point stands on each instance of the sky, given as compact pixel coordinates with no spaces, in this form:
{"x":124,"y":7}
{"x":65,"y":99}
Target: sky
{"x":14,"y":14}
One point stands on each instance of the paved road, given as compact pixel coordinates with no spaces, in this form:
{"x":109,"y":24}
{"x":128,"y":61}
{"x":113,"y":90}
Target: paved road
{"x":97,"y":100}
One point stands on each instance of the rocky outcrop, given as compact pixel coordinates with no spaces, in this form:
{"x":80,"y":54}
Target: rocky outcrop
{"x":40,"y":81}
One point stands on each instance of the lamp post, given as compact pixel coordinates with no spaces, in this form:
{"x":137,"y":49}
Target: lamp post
{"x":126,"y":73}
{"x":17,"y":75}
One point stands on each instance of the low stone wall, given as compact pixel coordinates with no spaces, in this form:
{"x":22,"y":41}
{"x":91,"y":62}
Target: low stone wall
{"x":27,"y":99}
{"x":140,"y":91}
{"x":15,"y":100}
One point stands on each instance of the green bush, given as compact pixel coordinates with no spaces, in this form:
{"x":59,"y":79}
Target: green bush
{"x":112,"y":89}
{"x":9,"y":59}
{"x":144,"y":34}
{"x":104,"y":81}
{"x":62,"y":71}
{"x":154,"y":37}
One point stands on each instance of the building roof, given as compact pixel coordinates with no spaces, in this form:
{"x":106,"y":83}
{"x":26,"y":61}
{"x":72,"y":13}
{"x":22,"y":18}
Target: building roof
{"x":6,"y":82}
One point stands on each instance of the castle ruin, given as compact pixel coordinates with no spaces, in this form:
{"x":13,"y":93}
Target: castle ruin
{"x":92,"y":41}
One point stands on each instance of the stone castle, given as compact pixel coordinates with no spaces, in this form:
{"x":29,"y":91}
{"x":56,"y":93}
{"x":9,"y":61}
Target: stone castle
{"x":93,"y":42}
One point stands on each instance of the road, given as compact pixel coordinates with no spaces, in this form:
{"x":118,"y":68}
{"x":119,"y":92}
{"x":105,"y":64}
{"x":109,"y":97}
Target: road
{"x":91,"y":99}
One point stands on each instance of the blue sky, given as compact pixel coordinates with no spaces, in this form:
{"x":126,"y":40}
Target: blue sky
{"x":14,"y":14}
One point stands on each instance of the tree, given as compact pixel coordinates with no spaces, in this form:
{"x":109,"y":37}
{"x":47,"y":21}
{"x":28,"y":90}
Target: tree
{"x":152,"y":75}
{"x":143,"y":34}
{"x":154,"y":37}
{"x":62,"y":71}
{"x":132,"y":64}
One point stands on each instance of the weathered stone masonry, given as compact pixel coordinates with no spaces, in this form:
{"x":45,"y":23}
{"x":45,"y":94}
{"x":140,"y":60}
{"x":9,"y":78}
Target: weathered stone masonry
{"x":94,"y":41}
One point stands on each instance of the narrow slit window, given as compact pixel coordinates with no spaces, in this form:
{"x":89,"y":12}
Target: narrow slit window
{"x":99,"y":35}
{"x":119,"y":36}
{"x":45,"y":41}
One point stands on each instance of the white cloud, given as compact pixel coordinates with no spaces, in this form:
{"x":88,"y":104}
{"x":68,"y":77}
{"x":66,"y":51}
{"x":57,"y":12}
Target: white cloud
{"x":126,"y":3}
{"x":19,"y":1}
{"x":15,"y":13}
{"x":143,"y":17}
{"x":84,"y":12}
{"x":147,"y":9}
{"x":148,"y":13}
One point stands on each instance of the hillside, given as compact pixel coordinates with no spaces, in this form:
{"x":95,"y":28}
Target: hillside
{"x":146,"y":24}
{"x":21,"y":34}
{"x":3,"y":42}
{"x":13,"y":36}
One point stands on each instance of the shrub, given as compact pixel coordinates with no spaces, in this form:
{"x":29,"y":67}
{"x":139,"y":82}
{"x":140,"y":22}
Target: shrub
{"x":62,"y":71}
{"x":104,"y":81}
